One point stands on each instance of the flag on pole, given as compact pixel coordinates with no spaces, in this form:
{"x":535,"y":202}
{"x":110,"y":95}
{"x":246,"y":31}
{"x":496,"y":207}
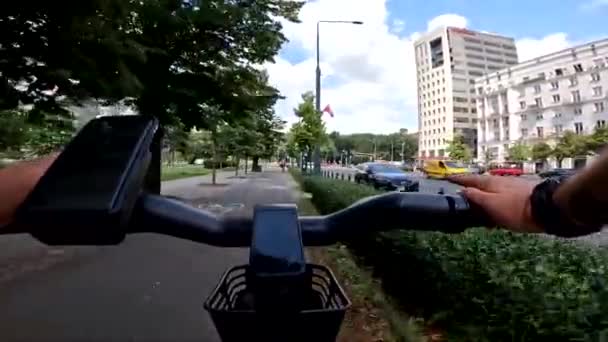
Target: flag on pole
{"x":328,"y":110}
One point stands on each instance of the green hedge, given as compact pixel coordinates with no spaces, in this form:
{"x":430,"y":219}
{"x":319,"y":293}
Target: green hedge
{"x":483,"y":285}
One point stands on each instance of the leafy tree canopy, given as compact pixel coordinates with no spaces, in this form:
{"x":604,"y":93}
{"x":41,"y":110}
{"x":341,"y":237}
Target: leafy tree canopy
{"x":459,"y":150}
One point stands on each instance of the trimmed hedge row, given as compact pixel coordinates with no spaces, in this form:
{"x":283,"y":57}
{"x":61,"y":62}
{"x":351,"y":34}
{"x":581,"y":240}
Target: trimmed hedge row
{"x":483,"y":285}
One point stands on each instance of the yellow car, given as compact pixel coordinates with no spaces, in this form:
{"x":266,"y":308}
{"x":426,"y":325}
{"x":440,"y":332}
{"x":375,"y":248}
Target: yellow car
{"x":443,"y":168}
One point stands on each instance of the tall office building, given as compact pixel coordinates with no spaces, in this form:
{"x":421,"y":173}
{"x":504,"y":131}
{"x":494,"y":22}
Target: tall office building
{"x":448,"y":60}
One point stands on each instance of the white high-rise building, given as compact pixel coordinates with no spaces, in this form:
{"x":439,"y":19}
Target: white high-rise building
{"x":448,"y":60}
{"x":540,"y":99}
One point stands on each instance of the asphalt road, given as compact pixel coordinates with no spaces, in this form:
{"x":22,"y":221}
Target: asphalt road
{"x":150,"y":288}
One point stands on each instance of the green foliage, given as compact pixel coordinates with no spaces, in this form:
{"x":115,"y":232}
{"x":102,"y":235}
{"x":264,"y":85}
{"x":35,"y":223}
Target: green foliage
{"x":483,"y":285}
{"x":459,"y":150}
{"x":177,"y":172}
{"x":13,"y":130}
{"x":570,"y":145}
{"x":365,"y":142}
{"x":310,"y":130}
{"x":519,"y":152}
{"x":599,"y":139}
{"x":190,"y":67}
{"x":541,"y":151}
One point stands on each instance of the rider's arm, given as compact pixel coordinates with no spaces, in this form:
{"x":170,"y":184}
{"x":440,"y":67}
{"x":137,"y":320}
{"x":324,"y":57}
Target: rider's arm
{"x":17,"y":181}
{"x":583,"y":198}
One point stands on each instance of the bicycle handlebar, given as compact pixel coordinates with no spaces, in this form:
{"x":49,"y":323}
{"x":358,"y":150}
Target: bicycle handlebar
{"x":417,"y":211}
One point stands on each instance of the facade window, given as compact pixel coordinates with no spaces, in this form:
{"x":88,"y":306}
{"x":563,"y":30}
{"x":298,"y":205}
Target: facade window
{"x":493,"y":52}
{"x":578,"y":127}
{"x":537,"y":89}
{"x":599,"y":107}
{"x":538,"y":101}
{"x":559,"y":72}
{"x":494,"y":60}
{"x":473,"y":48}
{"x":461,"y":110}
{"x":539,"y":132}
{"x":578,"y":111}
{"x":558,"y":129}
{"x":476,"y":65}
{"x":573,"y":81}
{"x":597,"y":91}
{"x":524,"y":117}
{"x":522,"y":104}
{"x":558,"y":115}
{"x":460,"y":99}
{"x":471,"y":40}
{"x":475,"y":73}
{"x":556,"y":98}
{"x":578,"y":67}
{"x":539,"y":116}
{"x":524,"y":132}
{"x":595,"y":77}
{"x":554,"y":85}
{"x":601,"y":123}
{"x":576,"y":96}
{"x":473,"y":56}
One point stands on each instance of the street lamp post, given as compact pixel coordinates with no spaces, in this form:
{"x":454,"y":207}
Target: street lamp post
{"x":317,"y":152}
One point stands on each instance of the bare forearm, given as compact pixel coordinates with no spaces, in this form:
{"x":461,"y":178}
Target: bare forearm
{"x":584,"y":197}
{"x":17,"y":181}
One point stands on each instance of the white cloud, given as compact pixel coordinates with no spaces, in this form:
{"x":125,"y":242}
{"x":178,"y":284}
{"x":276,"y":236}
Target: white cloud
{"x":594,"y":4}
{"x":368,"y":74}
{"x":398,"y":25}
{"x":368,"y":71}
{"x":443,"y":20}
{"x":528,"y":48}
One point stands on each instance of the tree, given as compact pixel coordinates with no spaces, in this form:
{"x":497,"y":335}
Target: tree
{"x":598,"y":140}
{"x":191,"y":66}
{"x":541,"y":152}
{"x":570,"y":145}
{"x":310,"y":130}
{"x":458,"y":149}
{"x":519,"y":152}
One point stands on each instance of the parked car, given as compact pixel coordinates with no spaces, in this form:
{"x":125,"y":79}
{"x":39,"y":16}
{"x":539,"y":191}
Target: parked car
{"x":385,"y":176}
{"x":506,"y":170}
{"x":557,"y":172}
{"x":443,"y":168}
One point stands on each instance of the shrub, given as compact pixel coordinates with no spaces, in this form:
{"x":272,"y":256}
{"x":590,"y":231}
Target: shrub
{"x":481,"y":284}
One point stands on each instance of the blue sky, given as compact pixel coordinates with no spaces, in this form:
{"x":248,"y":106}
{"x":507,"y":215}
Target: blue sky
{"x":368,"y":71}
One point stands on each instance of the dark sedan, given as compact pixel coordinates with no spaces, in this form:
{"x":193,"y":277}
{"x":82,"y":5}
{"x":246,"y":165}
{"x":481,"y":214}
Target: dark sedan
{"x":557,"y":173}
{"x":385,"y":176}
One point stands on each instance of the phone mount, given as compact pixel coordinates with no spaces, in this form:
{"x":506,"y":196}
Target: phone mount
{"x":88,"y":194}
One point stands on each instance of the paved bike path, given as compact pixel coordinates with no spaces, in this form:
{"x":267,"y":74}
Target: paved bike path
{"x":150,"y":288}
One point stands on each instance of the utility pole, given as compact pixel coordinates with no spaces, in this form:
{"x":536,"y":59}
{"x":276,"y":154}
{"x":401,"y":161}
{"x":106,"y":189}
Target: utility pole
{"x":403,"y":151}
{"x":317,"y":148}
{"x":374,"y":150}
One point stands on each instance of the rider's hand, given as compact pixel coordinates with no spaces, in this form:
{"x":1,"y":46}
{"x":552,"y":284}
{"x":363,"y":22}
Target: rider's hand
{"x":505,"y":200}
{"x":17,"y":181}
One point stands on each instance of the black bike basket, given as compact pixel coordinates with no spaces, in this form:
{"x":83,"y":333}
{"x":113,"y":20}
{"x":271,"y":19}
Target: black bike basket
{"x":232,"y":308}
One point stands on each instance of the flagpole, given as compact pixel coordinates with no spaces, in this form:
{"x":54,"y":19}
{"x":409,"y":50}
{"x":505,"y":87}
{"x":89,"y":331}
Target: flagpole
{"x":317,"y":152}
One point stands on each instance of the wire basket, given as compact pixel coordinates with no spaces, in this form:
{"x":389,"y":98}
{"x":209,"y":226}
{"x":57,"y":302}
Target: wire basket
{"x":231,"y":306}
